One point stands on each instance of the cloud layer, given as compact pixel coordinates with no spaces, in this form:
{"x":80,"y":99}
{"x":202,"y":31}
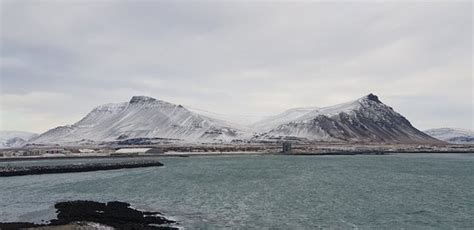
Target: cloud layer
{"x":60,"y":59}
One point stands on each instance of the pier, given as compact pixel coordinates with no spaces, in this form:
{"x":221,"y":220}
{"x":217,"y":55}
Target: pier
{"x":8,"y":171}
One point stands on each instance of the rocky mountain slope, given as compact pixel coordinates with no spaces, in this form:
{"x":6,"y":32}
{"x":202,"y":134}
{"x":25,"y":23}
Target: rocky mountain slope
{"x":364,"y":120}
{"x":14,"y":139}
{"x":142,"y":117}
{"x":451,"y":135}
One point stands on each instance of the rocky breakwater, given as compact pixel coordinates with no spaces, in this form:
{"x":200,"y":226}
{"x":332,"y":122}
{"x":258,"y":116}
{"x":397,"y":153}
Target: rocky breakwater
{"x":8,"y":171}
{"x":87,"y":214}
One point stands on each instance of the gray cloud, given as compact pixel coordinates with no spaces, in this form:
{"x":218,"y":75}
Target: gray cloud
{"x":60,"y":59}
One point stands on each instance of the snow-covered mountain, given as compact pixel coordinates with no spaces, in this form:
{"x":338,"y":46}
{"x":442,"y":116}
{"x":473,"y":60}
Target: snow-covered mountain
{"x":142,"y":117}
{"x":14,"y":139}
{"x":364,"y":120}
{"x":451,"y":135}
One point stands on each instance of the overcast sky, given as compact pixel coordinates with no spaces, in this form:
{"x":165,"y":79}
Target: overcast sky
{"x":59,"y":59}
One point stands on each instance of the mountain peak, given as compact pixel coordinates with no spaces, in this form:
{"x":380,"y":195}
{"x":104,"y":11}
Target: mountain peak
{"x":372,"y":97}
{"x":141,"y":99}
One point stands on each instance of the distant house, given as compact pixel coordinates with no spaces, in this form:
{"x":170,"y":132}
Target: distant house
{"x":54,"y":151}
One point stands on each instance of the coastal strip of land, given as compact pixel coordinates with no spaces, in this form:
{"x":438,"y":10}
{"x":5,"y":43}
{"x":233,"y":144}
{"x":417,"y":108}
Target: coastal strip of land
{"x":8,"y":171}
{"x":191,"y":150}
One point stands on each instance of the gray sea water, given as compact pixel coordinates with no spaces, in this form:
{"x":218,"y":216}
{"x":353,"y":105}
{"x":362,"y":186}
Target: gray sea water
{"x":401,"y":191}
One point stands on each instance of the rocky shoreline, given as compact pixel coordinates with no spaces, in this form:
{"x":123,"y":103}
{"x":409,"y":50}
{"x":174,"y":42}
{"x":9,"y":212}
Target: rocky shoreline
{"x":83,"y":214}
{"x":70,"y":168}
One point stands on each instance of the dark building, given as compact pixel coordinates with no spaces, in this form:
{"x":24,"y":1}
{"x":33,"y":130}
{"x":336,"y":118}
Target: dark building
{"x":286,"y":147}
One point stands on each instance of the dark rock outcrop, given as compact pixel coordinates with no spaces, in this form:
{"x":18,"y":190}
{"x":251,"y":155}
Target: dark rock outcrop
{"x":141,"y":99}
{"x":115,"y":214}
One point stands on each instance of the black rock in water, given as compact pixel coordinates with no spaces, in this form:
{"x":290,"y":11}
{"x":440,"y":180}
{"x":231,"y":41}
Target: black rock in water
{"x":115,"y":214}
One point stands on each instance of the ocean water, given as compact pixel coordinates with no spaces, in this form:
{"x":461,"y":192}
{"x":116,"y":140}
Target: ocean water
{"x":401,"y":191}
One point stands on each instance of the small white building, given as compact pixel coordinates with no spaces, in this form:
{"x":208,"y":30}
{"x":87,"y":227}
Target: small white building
{"x":86,"y":151}
{"x":132,"y":150}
